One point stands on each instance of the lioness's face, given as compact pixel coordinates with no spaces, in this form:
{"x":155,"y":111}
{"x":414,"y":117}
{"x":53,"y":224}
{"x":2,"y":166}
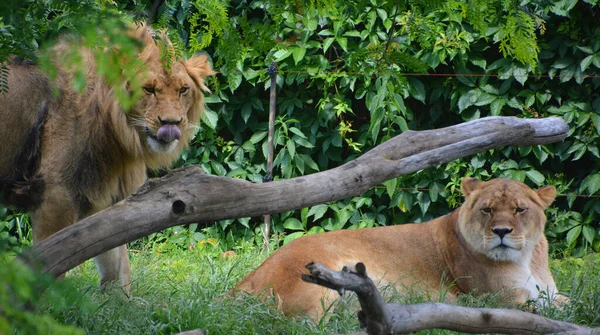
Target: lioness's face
{"x":503,"y":219}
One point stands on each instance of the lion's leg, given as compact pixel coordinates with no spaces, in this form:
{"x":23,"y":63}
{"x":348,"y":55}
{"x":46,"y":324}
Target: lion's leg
{"x":113,"y":266}
{"x":55,"y":213}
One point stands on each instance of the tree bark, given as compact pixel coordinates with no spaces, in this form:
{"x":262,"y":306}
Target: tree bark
{"x":379,"y":318}
{"x":189,"y":196}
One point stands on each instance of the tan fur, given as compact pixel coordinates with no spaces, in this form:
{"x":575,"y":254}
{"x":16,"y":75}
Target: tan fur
{"x":90,"y":153}
{"x":455,"y":252}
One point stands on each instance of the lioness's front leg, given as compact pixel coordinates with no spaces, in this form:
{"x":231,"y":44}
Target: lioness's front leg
{"x":113,"y":266}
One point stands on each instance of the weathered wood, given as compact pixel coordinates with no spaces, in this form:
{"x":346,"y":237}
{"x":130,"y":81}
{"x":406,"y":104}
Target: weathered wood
{"x":379,"y":318}
{"x":188,"y":196}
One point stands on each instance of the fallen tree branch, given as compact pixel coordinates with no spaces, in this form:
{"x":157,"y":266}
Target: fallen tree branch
{"x":189,"y":196}
{"x":379,"y":318}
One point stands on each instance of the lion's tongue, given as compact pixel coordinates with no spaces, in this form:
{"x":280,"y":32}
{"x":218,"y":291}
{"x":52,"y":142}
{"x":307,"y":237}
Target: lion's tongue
{"x":168,"y":133}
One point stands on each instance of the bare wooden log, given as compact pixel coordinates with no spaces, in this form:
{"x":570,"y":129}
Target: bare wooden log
{"x":379,"y":318}
{"x":189,"y":196}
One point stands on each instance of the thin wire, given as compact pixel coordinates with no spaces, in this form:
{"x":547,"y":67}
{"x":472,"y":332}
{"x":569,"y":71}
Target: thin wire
{"x":414,"y":74}
{"x":421,"y":189}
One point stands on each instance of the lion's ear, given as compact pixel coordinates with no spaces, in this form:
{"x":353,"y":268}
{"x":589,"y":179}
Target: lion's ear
{"x":198,"y":67}
{"x":469,"y":185}
{"x":547,"y":194}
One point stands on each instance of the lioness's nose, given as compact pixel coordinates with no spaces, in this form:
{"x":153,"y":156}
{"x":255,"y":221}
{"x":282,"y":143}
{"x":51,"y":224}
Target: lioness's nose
{"x":502,"y":231}
{"x":169,"y":121}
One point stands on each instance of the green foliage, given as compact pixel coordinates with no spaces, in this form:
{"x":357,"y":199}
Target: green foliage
{"x":15,"y":231}
{"x":22,"y":304}
{"x":341,"y":90}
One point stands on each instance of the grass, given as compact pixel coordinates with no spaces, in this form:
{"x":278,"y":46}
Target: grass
{"x":181,"y":290}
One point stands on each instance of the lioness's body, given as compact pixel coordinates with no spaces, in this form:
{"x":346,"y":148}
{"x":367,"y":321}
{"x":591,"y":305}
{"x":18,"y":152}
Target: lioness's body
{"x":68,"y":155}
{"x":434,"y":256}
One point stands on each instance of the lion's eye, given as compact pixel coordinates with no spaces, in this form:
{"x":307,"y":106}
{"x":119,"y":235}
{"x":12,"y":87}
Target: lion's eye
{"x":183,"y":90}
{"x":520,"y":210}
{"x":486,"y":210}
{"x":149,"y":90}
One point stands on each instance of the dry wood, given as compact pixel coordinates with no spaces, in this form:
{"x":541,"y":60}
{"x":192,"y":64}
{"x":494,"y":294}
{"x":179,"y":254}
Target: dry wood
{"x":188,"y":196}
{"x":379,"y":318}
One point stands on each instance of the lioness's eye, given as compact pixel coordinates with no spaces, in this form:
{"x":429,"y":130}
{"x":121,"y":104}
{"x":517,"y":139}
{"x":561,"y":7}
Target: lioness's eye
{"x":183,"y":90}
{"x":520,"y":210}
{"x":486,"y":210}
{"x":149,"y":90}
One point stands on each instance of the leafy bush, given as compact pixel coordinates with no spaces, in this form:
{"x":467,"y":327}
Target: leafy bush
{"x":22,"y":305}
{"x":352,"y":74}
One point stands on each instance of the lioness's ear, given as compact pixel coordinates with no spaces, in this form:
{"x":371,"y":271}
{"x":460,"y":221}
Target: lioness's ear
{"x":469,"y":185}
{"x":547,"y":194}
{"x":198,"y":67}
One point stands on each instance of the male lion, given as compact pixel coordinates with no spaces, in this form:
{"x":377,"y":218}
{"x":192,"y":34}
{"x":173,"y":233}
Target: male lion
{"x":493,"y":243}
{"x":67,"y":155}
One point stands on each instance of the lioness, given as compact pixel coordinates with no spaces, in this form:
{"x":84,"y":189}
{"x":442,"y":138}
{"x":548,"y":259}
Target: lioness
{"x":493,"y":243}
{"x":68,"y":155}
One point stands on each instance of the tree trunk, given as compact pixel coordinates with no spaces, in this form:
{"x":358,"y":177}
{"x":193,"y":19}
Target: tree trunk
{"x":189,"y":196}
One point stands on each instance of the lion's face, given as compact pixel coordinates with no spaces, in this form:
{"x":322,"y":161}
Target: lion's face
{"x":503,"y":219}
{"x":166,"y":108}
{"x":168,"y":111}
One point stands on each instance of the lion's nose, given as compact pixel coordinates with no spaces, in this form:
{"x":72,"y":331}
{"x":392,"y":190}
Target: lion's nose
{"x":169,"y":121}
{"x":502,"y":231}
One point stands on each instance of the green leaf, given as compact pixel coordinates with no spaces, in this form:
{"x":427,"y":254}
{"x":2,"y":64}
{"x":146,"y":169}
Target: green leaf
{"x":315,"y":230}
{"x":401,"y":122}
{"x":468,"y":99}
{"x":535,"y":177}
{"x":563,"y":63}
{"x":299,"y":164}
{"x":391,"y":186}
{"x":592,"y":183}
{"x":508,"y":164}
{"x":292,"y":237}
{"x":589,"y":233}
{"x":258,"y":136}
{"x":298,"y":54}
{"x":477,"y":162}
{"x":416,"y":89}
{"x":318,"y":211}
{"x":596,"y":120}
{"x":297,"y":132}
{"x":218,"y":169}
{"x":291,"y":147}
{"x":496,"y":106}
{"x":309,"y":162}
{"x":573,"y":234}
{"x":382,"y":14}
{"x":343,"y":42}
{"x":585,"y":63}
{"x":327,"y":43}
{"x":485,"y":99}
{"x":293,"y":224}
{"x":303,"y":142}
{"x":210,"y":118}
{"x":520,"y":75}
{"x":282,"y":54}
